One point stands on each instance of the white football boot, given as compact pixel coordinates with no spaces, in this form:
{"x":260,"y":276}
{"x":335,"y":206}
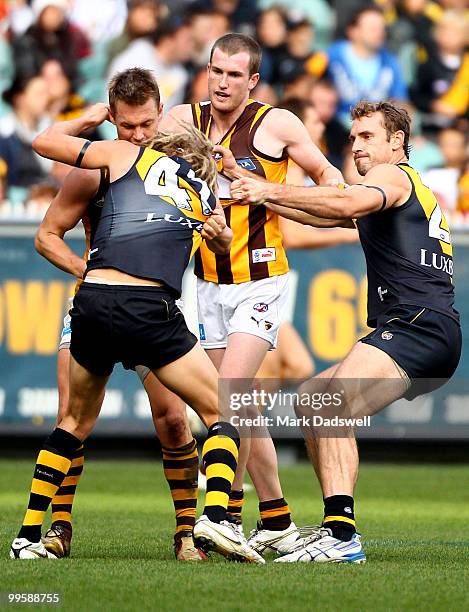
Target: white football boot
{"x":281,"y":542}
{"x":322,"y":547}
{"x":21,"y":548}
{"x":224,"y":538}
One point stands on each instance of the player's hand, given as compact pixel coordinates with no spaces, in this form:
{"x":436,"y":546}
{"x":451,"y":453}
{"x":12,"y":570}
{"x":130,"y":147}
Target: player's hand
{"x":214,"y":225}
{"x":250,"y":191}
{"x":96,"y":114}
{"x":229,"y":165}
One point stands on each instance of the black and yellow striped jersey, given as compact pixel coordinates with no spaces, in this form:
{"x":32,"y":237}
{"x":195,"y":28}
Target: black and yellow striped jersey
{"x":257,"y":251}
{"x":151,"y":219}
{"x":409,"y":254}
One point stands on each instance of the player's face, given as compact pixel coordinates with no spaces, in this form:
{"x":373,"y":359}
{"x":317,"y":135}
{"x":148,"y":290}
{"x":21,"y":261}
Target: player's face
{"x":229,"y":82}
{"x":136,"y":124}
{"x":370,"y":143}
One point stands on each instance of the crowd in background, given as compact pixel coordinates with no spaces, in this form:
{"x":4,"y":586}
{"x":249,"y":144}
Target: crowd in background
{"x":320,"y":57}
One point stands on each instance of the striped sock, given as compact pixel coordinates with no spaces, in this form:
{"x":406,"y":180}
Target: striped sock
{"x":275,"y":514}
{"x":339,"y":516}
{"x":235,"y":505}
{"x":52,"y":465}
{"x":62,"y":501}
{"x":220,"y":457}
{"x":181,"y":469}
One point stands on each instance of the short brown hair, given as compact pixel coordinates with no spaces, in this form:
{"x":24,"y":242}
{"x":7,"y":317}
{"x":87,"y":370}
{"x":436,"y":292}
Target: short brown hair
{"x":134,"y":86}
{"x":236,"y":43}
{"x":394,"y":118}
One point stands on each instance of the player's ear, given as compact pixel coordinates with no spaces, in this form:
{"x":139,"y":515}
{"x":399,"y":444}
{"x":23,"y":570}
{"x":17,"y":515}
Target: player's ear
{"x":397,"y":140}
{"x":111,"y":117}
{"x":253,"y":80}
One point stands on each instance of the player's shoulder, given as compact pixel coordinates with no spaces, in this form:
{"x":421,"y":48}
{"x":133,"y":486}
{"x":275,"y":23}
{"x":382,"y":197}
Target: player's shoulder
{"x":389,"y":173}
{"x":281,"y":120}
{"x":181,"y":111}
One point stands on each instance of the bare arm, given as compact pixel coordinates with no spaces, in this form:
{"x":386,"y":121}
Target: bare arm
{"x":65,"y":211}
{"x":281,"y":130}
{"x":306,"y":219}
{"x":297,"y":236}
{"x":61,"y":143}
{"x":174,"y":120}
{"x":383,"y":186}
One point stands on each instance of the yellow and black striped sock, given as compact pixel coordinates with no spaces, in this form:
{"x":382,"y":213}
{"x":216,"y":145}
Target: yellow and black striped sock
{"x":235,"y":505}
{"x":275,"y":514}
{"x":52,"y":465}
{"x":62,"y":501}
{"x":339,"y":516}
{"x":220,"y":457}
{"x":181,"y":469}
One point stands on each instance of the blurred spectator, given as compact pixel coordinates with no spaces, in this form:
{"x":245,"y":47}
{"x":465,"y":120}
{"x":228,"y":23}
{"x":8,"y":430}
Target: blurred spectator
{"x":271,"y":33}
{"x":51,"y":36}
{"x":104,"y":21}
{"x":455,"y":102}
{"x":206,"y":26}
{"x":463,"y":198}
{"x":264,"y":92}
{"x":241,"y":13}
{"x":318,"y":12}
{"x":435,"y":76}
{"x":297,"y":84}
{"x":444,"y":181}
{"x":165,"y":53}
{"x":198,"y":90}
{"x":142,"y":20}
{"x":298,"y":53}
{"x":29,"y":99}
{"x":361,"y":68}
{"x":39,"y":200}
{"x":325,"y":100}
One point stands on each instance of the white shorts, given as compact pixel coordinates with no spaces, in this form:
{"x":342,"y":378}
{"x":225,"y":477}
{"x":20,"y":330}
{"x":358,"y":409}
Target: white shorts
{"x":256,"y":308}
{"x":66,"y":335}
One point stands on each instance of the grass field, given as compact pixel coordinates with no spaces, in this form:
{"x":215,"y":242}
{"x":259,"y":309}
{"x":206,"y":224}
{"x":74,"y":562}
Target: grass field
{"x":415,"y":521}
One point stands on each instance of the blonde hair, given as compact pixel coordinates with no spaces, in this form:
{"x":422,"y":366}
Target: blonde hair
{"x":192,"y":146}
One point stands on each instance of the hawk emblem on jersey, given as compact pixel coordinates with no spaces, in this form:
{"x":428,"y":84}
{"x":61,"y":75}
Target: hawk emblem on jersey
{"x":247,"y":163}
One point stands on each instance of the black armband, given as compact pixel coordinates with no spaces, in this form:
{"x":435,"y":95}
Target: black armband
{"x":79,"y":159}
{"x":381,"y":191}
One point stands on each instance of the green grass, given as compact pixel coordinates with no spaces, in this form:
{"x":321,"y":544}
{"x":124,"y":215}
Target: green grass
{"x":415,"y":521}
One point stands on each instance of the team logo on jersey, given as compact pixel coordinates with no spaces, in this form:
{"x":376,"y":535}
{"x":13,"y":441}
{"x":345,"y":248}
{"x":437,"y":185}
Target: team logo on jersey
{"x":261,"y":307}
{"x":386,"y":335}
{"x":261,"y":255}
{"x":202,"y":332}
{"x":246,"y":163}
{"x":268,"y":325}
{"x":382,"y":292}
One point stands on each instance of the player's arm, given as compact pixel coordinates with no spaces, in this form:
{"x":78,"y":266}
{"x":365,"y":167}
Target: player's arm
{"x":298,"y":236}
{"x":306,"y":219}
{"x":216,"y":233}
{"x":384,"y":186}
{"x":60,"y":142}
{"x":65,"y":211}
{"x":283,"y":127}
{"x":174,"y":120}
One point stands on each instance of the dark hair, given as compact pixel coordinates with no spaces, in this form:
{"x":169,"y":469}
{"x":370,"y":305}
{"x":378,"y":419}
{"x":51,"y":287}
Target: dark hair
{"x":236,"y":43}
{"x":19,"y":85}
{"x":297,"y":106}
{"x":169,"y":27}
{"x":134,"y":86}
{"x":394,"y":118}
{"x":357,"y":15}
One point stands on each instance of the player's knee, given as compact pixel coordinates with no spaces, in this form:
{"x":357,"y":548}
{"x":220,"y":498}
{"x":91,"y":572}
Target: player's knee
{"x":175,"y":422}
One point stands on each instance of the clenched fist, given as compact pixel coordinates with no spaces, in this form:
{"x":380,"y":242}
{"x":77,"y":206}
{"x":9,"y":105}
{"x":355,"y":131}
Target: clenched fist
{"x":250,"y":191}
{"x":214,"y":225}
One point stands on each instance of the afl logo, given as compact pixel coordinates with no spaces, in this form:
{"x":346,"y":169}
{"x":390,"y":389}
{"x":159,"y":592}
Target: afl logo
{"x":386,"y":335}
{"x":261,"y":307}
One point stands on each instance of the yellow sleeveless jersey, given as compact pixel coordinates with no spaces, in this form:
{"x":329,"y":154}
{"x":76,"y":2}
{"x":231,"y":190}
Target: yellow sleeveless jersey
{"x":257,"y":250}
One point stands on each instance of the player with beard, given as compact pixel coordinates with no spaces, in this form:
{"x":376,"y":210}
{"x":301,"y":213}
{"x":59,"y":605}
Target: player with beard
{"x":416,"y":344}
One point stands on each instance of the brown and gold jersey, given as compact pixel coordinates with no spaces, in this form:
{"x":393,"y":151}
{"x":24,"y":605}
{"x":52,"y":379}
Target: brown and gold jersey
{"x":257,"y":251}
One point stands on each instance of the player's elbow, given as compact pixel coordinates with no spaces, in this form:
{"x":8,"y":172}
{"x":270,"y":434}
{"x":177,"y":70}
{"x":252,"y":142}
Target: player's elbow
{"x":39,"y":241}
{"x":40,"y":143}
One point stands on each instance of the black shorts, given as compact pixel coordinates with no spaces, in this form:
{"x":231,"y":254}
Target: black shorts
{"x":424,"y":343}
{"x":131,"y":325}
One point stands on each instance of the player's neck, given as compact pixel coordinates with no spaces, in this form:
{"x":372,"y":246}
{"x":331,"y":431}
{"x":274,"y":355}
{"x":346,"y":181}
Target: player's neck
{"x":222,"y":122}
